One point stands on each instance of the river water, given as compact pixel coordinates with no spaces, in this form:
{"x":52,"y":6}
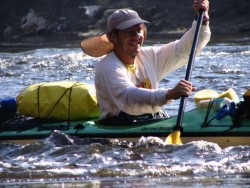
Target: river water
{"x":64,"y":161}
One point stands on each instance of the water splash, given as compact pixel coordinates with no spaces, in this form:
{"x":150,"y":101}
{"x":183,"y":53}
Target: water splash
{"x":61,"y":156}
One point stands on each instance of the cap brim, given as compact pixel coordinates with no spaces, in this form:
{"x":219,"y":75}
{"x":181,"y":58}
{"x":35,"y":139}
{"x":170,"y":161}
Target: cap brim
{"x":130,"y":23}
{"x":97,"y":46}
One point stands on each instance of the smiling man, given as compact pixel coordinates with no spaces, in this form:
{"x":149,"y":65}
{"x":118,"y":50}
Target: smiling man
{"x":127,"y":77}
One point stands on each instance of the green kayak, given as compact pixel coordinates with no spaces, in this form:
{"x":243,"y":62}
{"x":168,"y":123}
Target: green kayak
{"x":197,"y":125}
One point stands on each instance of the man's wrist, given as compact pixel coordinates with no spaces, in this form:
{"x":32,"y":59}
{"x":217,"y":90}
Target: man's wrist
{"x":205,"y":21}
{"x":168,"y":96}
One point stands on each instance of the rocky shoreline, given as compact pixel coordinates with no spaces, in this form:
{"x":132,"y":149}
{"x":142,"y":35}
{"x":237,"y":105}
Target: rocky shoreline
{"x":29,"y":23}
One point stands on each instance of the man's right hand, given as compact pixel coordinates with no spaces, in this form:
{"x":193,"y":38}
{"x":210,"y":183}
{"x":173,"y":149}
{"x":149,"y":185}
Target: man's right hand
{"x":183,"y":88}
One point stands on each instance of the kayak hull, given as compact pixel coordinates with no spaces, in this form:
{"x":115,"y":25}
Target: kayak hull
{"x":222,"y":131}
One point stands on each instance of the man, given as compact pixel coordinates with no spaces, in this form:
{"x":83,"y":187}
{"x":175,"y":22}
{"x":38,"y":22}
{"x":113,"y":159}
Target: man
{"x":127,"y":77}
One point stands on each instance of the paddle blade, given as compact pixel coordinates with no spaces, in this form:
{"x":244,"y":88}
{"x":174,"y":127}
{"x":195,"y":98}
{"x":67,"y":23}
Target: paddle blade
{"x":174,"y":138}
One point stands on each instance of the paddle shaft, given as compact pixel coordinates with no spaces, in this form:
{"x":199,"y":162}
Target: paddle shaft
{"x":189,"y":71}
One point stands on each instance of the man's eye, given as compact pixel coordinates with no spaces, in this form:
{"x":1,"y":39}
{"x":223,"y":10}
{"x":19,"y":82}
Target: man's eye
{"x":129,"y":33}
{"x":139,"y":31}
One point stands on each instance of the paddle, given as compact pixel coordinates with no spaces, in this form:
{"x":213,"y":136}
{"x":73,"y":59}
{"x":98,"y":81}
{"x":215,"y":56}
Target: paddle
{"x":174,"y":138}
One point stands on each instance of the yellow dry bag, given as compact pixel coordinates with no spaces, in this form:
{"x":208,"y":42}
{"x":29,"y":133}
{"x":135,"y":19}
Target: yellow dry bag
{"x":62,"y":100}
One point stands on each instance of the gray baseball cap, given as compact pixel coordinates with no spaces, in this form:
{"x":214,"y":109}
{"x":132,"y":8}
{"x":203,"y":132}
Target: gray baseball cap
{"x":123,"y":19}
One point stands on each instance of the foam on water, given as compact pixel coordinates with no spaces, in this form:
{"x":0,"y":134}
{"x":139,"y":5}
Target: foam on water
{"x":64,"y":158}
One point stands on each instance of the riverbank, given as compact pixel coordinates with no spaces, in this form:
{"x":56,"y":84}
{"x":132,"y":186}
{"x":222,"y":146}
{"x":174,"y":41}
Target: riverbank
{"x":62,"y":23}
{"x":29,"y":43}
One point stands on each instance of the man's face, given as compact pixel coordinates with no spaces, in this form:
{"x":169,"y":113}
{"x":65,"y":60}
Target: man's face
{"x":129,"y":41}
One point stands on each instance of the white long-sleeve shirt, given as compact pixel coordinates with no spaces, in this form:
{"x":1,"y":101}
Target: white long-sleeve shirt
{"x":116,"y":86}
